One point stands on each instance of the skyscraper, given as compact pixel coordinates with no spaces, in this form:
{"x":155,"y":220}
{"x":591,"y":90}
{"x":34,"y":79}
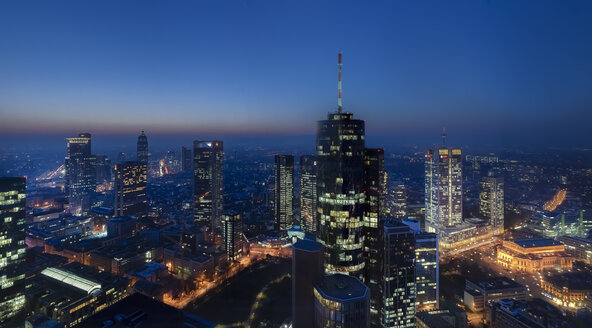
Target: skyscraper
{"x":443,"y":188}
{"x":12,"y":248}
{"x":400,"y":202}
{"x":398,"y":279}
{"x":491,"y":203}
{"x":427,"y":270}
{"x":308,"y":193}
{"x":232,"y":235}
{"x":307,"y":270}
{"x":373,"y":228}
{"x":186,"y":159}
{"x":80,"y":174}
{"x":284,"y":191}
{"x":341,"y":301}
{"x":340,"y":190}
{"x":103,"y":169}
{"x":208,"y":173}
{"x":142,"y":154}
{"x":130,"y":189}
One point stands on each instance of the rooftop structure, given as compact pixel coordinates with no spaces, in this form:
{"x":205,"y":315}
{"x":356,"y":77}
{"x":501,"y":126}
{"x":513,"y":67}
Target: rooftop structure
{"x":533,"y":255}
{"x":479,"y":293}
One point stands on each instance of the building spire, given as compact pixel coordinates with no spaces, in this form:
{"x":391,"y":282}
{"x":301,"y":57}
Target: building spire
{"x":339,"y":105}
{"x":444,"y":136}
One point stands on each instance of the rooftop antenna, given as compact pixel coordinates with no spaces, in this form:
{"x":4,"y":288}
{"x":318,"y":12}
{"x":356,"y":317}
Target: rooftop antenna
{"x":444,"y":136}
{"x":339,"y":85}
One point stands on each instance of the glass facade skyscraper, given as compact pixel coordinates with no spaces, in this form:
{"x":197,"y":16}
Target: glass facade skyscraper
{"x":142,"y":151}
{"x":491,"y":203}
{"x":340,"y":191}
{"x":284,"y":191}
{"x":12,"y":248}
{"x":208,"y":175}
{"x":308,"y":193}
{"x":80,"y":174}
{"x":427,"y":270}
{"x":130,"y":189}
{"x":232,"y":235}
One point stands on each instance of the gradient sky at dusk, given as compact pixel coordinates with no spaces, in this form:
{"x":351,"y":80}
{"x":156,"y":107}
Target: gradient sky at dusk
{"x":503,"y":72}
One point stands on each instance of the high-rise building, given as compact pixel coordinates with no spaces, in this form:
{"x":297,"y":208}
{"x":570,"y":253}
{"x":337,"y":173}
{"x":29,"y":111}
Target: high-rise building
{"x":232,"y":235}
{"x":103,"y":168}
{"x":186,"y":159}
{"x":341,"y":301}
{"x":80,"y":174}
{"x":340,"y":190}
{"x":398,"y":278}
{"x":491,"y":203}
{"x":399,"y":202}
{"x":307,"y":270}
{"x":12,"y":249}
{"x":443,"y":188}
{"x":427,"y":271}
{"x":308,"y":193}
{"x":208,"y":173}
{"x":284,"y":191}
{"x":142,"y":154}
{"x":373,"y":228}
{"x":130,"y":189}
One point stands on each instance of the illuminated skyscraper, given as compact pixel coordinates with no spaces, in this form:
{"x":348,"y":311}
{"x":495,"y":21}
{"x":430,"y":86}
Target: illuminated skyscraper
{"x":186,"y":159}
{"x":12,"y":249}
{"x":142,"y":155}
{"x":232,"y":235}
{"x":80,"y":174}
{"x":400,"y":202}
{"x":340,"y":190}
{"x":307,"y":270}
{"x":341,"y":301}
{"x":308,"y":193}
{"x":427,"y":271}
{"x":373,"y":228}
{"x":443,"y":188}
{"x":491,"y":203}
{"x":284,"y":191}
{"x":208,"y":174}
{"x":130,"y":189}
{"x":398,"y":279}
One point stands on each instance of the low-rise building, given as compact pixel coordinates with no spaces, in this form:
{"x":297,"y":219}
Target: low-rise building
{"x":479,"y":293}
{"x":533,"y":255}
{"x":569,"y":289}
{"x":522,"y":314}
{"x":579,"y":248}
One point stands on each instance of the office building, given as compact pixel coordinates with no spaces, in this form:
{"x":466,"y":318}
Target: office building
{"x":103,"y":169}
{"x":427,"y":271}
{"x":142,"y":150}
{"x":130,"y":189}
{"x":579,"y":248}
{"x":373,"y":228}
{"x":524,"y":314}
{"x":307,"y":270}
{"x":491,"y":203}
{"x":208,"y":174}
{"x":341,"y":301}
{"x":568,"y":289}
{"x":308,"y":193}
{"x":397,"y":308}
{"x":479,"y":292}
{"x":12,"y":248}
{"x":284,"y":192}
{"x":443,"y":188}
{"x":533,"y":255}
{"x":232,"y":235}
{"x":80,"y":174}
{"x":186,"y":159}
{"x":399,"y":209}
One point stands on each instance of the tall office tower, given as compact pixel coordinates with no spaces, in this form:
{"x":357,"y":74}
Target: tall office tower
{"x":208,"y":175}
{"x":308,"y":193}
{"x":398,"y":278}
{"x":284,"y":192}
{"x":142,"y":154}
{"x":80,"y":174}
{"x":341,"y":301}
{"x":103,"y":168}
{"x":400,"y":202}
{"x":130,"y":189}
{"x":12,"y":249}
{"x":443,"y":188}
{"x":340,"y":190}
{"x":491,"y":203}
{"x":373,"y":228}
{"x":307,"y":270}
{"x":232,"y":235}
{"x":187,"y":161}
{"x":427,"y":270}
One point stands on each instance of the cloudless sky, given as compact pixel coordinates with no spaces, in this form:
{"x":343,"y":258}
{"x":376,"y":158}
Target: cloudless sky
{"x":501,"y":72}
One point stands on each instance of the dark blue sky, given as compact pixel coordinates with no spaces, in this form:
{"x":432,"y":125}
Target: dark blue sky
{"x":497,"y":72}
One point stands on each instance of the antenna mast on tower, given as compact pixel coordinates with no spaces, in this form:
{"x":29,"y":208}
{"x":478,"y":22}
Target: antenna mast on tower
{"x":444,"y":136}
{"x":339,"y":106}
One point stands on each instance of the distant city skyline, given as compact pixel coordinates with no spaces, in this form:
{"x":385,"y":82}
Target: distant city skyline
{"x":500,"y":73}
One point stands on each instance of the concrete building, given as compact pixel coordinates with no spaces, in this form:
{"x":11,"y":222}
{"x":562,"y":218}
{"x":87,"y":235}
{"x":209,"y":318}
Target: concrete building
{"x":341,"y":301}
{"x":131,"y":189}
{"x":307,"y":270}
{"x":80,"y":174}
{"x":208,"y":177}
{"x":533,"y":255}
{"x":232,"y":235}
{"x":569,"y":289}
{"x":479,"y":292}
{"x":579,"y":248}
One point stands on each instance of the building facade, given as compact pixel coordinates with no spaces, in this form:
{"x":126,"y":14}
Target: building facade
{"x":341,"y":301}
{"x":284,"y":192}
{"x":130,"y":189}
{"x":208,"y":173}
{"x":80,"y":174}
{"x":186,"y":159}
{"x":232,"y":235}
{"x":307,"y":270}
{"x":142,"y":148}
{"x":443,"y":188}
{"x":491,"y":203}
{"x":533,"y":255}
{"x":479,"y":292}
{"x":308,"y":193}
{"x":427,"y":271}
{"x":12,"y":248}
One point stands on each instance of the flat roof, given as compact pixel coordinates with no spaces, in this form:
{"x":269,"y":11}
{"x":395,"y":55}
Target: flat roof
{"x":495,"y":283}
{"x":308,"y":245}
{"x":572,"y":280}
{"x":341,"y":287}
{"x":71,"y":279}
{"x":535,"y":242}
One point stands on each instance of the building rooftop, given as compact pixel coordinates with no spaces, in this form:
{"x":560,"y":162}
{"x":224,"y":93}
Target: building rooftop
{"x":71,"y":279}
{"x":342,"y":288}
{"x":535,"y":242}
{"x":308,"y":245}
{"x":496,"y":283}
{"x":572,"y":280}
